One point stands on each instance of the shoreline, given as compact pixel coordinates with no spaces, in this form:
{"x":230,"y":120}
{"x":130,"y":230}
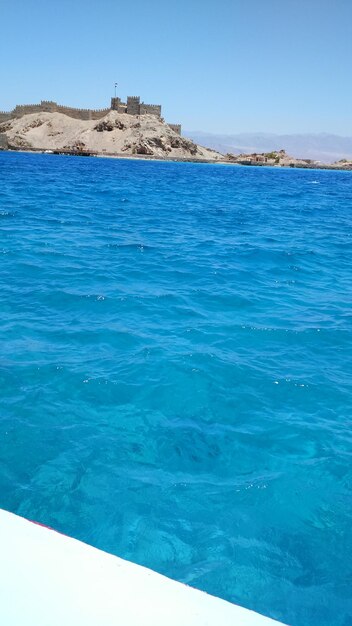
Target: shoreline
{"x":148,"y":157}
{"x":115,"y":155}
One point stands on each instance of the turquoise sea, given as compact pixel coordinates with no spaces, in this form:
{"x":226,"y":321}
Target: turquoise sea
{"x":176,"y":367}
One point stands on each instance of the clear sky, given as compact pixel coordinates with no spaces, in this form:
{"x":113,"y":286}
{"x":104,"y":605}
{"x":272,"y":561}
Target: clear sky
{"x":222,"y":66}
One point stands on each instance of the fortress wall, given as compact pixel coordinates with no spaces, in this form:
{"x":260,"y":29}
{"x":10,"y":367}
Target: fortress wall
{"x":132,"y":107}
{"x":97,"y":114}
{"x":47,"y":106}
{"x":26,"y":109}
{"x":4,"y":116}
{"x":176,"y":128}
{"x":82,"y":114}
{"x":152,"y":109}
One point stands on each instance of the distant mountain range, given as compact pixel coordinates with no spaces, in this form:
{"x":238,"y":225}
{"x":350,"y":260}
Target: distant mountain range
{"x":321,"y":147}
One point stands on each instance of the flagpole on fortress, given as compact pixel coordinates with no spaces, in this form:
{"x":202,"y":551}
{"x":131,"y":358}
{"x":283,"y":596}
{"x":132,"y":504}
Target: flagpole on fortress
{"x":115,"y":89}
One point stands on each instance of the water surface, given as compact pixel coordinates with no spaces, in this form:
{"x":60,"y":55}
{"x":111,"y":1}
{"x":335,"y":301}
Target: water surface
{"x":175,"y":371}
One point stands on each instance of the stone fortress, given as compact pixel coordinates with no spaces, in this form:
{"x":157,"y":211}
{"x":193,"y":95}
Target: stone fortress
{"x":133,"y":106}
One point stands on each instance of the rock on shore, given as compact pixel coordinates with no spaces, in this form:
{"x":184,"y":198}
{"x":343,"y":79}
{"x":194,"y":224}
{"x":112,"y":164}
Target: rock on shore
{"x":116,"y":133}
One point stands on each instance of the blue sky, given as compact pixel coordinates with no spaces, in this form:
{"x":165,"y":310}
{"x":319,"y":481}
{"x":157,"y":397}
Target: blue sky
{"x":224,"y":66}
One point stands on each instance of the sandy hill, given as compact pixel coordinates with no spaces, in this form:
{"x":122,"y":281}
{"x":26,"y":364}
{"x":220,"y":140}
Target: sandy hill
{"x":115,"y":133}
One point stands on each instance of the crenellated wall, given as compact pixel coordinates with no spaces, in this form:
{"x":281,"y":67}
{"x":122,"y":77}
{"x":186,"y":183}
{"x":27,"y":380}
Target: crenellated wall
{"x":48,"y":106}
{"x":133,"y":107}
{"x":82,"y":114}
{"x":4,"y":116}
{"x":25,"y":109}
{"x":151,"y":109}
{"x":136,"y":107}
{"x":176,"y":128}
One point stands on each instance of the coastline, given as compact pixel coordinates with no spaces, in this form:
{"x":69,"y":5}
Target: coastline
{"x":175,"y":159}
{"x":120,"y":156}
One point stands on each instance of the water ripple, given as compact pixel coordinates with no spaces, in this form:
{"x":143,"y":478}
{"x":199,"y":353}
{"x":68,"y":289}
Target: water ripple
{"x":176,"y":371}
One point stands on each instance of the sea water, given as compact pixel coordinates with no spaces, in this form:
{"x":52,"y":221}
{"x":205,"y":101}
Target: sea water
{"x":175,"y":371}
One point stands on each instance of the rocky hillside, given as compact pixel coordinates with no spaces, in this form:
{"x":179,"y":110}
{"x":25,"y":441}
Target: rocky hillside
{"x":115,"y":133}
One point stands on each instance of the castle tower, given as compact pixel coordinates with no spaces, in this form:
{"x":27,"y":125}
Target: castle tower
{"x":115,"y":103}
{"x":133,"y":105}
